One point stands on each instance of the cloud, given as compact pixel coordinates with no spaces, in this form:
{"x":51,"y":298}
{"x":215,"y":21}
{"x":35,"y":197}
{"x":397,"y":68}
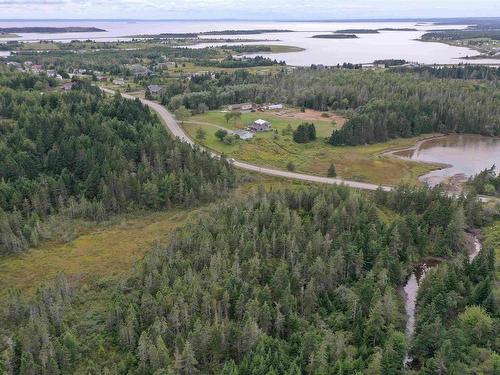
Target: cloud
{"x":245,"y":9}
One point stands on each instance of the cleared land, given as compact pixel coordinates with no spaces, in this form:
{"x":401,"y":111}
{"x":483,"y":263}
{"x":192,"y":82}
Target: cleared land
{"x":360,"y":163}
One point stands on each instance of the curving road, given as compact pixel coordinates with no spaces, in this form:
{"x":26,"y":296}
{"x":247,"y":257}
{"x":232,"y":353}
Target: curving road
{"x":172,"y":125}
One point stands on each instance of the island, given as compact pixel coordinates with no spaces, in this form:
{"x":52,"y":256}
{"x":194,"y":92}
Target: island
{"x":390,"y":62}
{"x":397,"y":29}
{"x":248,"y":49}
{"x":245,"y":32}
{"x":335,"y":36}
{"x":167,"y":36}
{"x":48,"y":30}
{"x":357,"y":31}
{"x":8,"y":35}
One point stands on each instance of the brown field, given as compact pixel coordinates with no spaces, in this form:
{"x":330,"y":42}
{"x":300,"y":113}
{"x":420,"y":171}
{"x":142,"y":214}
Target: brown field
{"x":312,"y":115}
{"x":98,"y":252}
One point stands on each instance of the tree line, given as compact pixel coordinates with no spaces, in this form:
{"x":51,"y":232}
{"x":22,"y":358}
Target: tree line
{"x":379,"y":105}
{"x":301,"y":281}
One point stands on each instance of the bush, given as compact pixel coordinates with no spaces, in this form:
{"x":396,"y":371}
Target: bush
{"x":221,"y":134}
{"x":201,"y":134}
{"x":290,"y":166}
{"x":231,"y":139}
{"x":332,"y":171}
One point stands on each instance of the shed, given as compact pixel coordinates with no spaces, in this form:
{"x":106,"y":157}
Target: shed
{"x":244,"y":135}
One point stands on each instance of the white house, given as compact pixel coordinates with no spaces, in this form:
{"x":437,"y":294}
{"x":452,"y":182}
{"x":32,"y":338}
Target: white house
{"x":260,"y":125}
{"x":275,"y":106}
{"x":119,"y":81}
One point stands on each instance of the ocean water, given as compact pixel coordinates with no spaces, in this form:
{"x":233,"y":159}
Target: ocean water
{"x":365,"y":49}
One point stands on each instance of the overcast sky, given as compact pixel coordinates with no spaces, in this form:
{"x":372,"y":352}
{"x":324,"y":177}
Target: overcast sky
{"x":246,"y":9}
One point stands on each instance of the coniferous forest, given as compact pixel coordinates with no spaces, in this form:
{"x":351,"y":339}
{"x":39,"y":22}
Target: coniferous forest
{"x":86,"y":156}
{"x":302,"y":279}
{"x":293,"y":282}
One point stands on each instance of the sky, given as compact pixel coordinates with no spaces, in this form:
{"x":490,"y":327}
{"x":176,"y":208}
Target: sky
{"x":245,"y":9}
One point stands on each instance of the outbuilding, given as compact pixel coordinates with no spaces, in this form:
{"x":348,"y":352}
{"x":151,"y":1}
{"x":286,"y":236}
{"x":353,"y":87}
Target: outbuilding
{"x":244,"y":135}
{"x":155,"y":89}
{"x":260,"y":125}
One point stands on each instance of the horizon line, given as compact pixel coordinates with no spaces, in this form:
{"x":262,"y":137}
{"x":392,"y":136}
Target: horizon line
{"x":401,"y":19}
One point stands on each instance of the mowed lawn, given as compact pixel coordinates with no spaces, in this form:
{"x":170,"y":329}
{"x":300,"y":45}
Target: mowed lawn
{"x":324,"y":126}
{"x":100,"y":252}
{"x":359,"y":163}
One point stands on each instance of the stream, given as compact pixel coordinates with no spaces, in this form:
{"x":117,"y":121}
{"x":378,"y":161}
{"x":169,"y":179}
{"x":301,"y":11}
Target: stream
{"x":413,"y":284}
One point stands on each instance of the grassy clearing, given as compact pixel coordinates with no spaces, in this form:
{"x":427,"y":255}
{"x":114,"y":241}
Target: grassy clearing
{"x":100,"y":252}
{"x":360,"y":163}
{"x":324,"y":127}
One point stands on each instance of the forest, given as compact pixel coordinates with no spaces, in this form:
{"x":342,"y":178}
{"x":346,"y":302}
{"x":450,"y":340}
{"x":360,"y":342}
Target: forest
{"x":379,"y":106}
{"x":272,"y":280}
{"x":474,"y":72}
{"x":84,"y":155}
{"x":301,"y":281}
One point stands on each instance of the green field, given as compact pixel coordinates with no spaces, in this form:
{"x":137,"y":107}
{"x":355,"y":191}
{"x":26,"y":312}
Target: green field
{"x":359,"y":163}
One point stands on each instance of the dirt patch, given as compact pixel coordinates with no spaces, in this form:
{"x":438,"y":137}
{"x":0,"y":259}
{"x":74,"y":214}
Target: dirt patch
{"x":312,"y":115}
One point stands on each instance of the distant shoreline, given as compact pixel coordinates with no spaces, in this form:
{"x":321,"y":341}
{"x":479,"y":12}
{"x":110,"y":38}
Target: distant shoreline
{"x":49,"y":30}
{"x":454,"y":20}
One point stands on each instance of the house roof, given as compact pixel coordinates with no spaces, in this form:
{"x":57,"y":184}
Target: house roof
{"x":261,"y":122}
{"x":155,"y":88}
{"x":244,"y":134}
{"x":68,"y":85}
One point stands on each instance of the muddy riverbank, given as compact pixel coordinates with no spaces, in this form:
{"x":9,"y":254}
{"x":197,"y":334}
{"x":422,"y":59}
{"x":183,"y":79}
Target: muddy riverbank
{"x":457,"y":157}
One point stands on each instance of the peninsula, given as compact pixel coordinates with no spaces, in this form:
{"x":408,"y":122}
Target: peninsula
{"x":49,"y":30}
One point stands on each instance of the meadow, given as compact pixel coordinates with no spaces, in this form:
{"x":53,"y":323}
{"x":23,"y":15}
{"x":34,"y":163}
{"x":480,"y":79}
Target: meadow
{"x":99,"y":250}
